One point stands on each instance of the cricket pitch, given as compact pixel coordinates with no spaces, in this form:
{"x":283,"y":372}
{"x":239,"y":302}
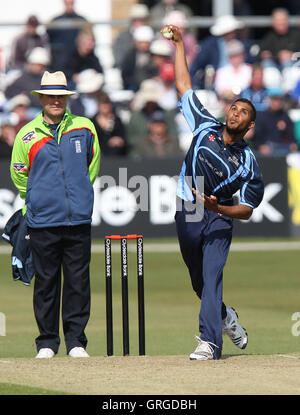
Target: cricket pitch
{"x":150,"y":375}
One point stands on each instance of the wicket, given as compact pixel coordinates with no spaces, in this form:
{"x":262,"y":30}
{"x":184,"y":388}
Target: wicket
{"x":124,"y":277}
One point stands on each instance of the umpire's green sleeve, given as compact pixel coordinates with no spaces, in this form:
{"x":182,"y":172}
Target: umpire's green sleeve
{"x":19,"y":165}
{"x":94,"y":165}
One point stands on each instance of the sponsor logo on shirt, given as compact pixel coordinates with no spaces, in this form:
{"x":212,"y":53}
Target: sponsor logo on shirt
{"x":29,"y":137}
{"x":234,"y":160}
{"x":208,"y":163}
{"x":20,"y":167}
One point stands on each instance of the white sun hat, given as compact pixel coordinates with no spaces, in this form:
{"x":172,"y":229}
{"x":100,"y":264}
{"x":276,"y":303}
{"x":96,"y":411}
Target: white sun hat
{"x":53,"y":84}
{"x":176,"y":18}
{"x":225,"y":24}
{"x":19,"y":100}
{"x":143,"y":34}
{"x":89,"y":81}
{"x":139,"y":11}
{"x":161,"y":47}
{"x":39,"y":55}
{"x":149,"y":91}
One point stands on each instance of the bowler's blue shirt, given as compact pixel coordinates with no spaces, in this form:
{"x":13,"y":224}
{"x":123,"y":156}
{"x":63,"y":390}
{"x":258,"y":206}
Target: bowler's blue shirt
{"x":225,"y":168}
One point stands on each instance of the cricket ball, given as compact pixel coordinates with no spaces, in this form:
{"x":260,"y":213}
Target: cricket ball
{"x":167,"y":33}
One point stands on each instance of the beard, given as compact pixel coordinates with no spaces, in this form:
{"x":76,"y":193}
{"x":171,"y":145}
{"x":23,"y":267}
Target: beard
{"x":236,"y":130}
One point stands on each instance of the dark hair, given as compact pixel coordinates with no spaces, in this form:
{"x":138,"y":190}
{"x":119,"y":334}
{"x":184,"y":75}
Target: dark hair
{"x":247,"y":101}
{"x":103,"y":98}
{"x":257,"y":67}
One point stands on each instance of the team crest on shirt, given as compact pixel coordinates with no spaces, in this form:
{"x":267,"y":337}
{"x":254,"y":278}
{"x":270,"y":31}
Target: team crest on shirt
{"x":77,"y":146}
{"x":29,"y":137}
{"x":211,"y":137}
{"x":19,"y":167}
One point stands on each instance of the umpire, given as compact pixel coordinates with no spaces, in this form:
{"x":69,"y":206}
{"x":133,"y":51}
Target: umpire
{"x":55,"y":160}
{"x":220,"y":156}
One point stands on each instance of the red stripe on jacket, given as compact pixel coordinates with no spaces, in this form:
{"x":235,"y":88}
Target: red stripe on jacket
{"x":38,"y":145}
{"x":36,"y":148}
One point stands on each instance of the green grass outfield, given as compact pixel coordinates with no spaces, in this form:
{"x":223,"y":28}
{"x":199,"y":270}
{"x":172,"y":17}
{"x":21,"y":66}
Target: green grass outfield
{"x":263,"y":286}
{"x":13,"y":389}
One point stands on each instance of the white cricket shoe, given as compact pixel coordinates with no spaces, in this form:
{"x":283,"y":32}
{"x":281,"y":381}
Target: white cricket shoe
{"x":234,"y":330}
{"x":45,"y":353}
{"x":203,"y":351}
{"x":78,"y":352}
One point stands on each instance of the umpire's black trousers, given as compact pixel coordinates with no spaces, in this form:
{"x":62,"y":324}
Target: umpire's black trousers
{"x":66,"y":248}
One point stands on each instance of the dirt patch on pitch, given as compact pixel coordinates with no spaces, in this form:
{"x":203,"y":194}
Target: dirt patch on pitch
{"x":150,"y":375}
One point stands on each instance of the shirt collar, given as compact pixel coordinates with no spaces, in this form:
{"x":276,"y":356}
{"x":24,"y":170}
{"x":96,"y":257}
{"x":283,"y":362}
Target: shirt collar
{"x":66,"y":115}
{"x":238,"y":145}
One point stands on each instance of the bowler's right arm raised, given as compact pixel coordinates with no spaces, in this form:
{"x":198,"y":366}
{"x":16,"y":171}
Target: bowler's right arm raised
{"x":182,"y":76}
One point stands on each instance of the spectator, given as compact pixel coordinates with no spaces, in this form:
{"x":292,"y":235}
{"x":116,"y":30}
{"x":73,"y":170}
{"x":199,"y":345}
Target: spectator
{"x":161,"y":52}
{"x":12,"y":121}
{"x":274,"y":130}
{"x":178,"y":18}
{"x":136,"y":65}
{"x":236,"y":75}
{"x":26,"y":42}
{"x":257,"y":93}
{"x":157,"y":142}
{"x":19,"y":106}
{"x":138,"y":15}
{"x":166,"y":78}
{"x":213,"y":49}
{"x":145,"y":103}
{"x":243,"y":8}
{"x":82,"y":56}
{"x":62,"y":33}
{"x":7,"y":134}
{"x":30,"y":77}
{"x":280,"y":42}
{"x":109,"y":128}
{"x":159,"y":11}
{"x":85,"y":103}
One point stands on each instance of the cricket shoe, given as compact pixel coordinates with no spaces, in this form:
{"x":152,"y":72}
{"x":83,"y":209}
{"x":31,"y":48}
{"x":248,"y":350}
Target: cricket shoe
{"x":234,"y":330}
{"x":78,"y":352}
{"x":203,"y":351}
{"x":45,"y":353}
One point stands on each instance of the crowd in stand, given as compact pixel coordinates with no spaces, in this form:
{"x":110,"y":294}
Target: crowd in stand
{"x":146,"y":122}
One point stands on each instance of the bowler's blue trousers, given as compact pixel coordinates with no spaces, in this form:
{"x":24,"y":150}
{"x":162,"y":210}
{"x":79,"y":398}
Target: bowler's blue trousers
{"x":204,"y":246}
